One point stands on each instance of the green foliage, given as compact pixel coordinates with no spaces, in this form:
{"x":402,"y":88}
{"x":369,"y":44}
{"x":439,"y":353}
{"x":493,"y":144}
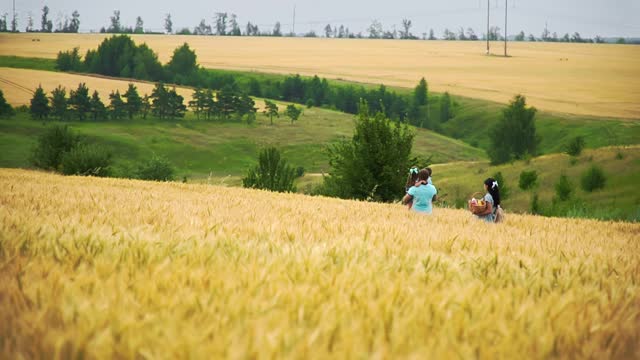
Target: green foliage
{"x":272,"y":173}
{"x":86,"y":160}
{"x":119,"y":56}
{"x":70,"y":61}
{"x":117,"y":107}
{"x":528,"y":180}
{"x":59,"y":103}
{"x":575,"y":146}
{"x":535,"y":207}
{"x":80,"y":102}
{"x":166,"y":103}
{"x":134,"y":101}
{"x":505,"y":190}
{"x":5,"y":108}
{"x":270,"y":110}
{"x":564,"y":188}
{"x":183,"y":64}
{"x":593,"y":179}
{"x":52,"y":145}
{"x":156,"y":169}
{"x":373,"y":164}
{"x":420,"y":93}
{"x":39,"y":104}
{"x":445,"y":107}
{"x":293,"y":112}
{"x":96,"y":106}
{"x":514,"y":136}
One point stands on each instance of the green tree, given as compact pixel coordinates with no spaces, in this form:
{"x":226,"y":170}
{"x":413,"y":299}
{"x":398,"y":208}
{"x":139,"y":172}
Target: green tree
{"x":198,"y":103}
{"x":156,"y":169}
{"x":139,"y":29}
{"x":80,"y":102}
{"x":117,"y":107}
{"x":514,"y":136}
{"x":134,"y":101}
{"x":528,"y":180}
{"x":160,"y":106}
{"x":183,"y":64}
{"x":40,"y":108}
{"x":98,"y":110}
{"x":177,"y":108}
{"x":69,"y":60}
{"x":575,"y":146}
{"x":593,"y":179}
{"x":146,"y":106}
{"x":420,"y":93}
{"x":59,"y":103}
{"x":373,"y":164}
{"x":272,"y":173}
{"x":563,"y":188}
{"x":445,"y":107}
{"x":270,"y":110}
{"x":5,"y":108}
{"x":293,"y":112}
{"x":52,"y":145}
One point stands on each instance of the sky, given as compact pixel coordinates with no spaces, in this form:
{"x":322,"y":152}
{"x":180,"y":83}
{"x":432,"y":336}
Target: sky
{"x":607,"y":18}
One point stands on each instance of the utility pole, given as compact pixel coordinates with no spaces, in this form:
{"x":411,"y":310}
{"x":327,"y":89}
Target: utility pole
{"x":14,"y":25}
{"x":294,"y":21}
{"x":505,"y":27}
{"x":488,"y":7}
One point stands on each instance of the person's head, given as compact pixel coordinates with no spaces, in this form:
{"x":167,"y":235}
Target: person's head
{"x":429,"y":170}
{"x":423,"y":175}
{"x":413,"y":176}
{"x":492,"y":187}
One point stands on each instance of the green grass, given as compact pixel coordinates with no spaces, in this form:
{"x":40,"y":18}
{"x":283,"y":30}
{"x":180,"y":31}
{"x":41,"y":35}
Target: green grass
{"x":28,"y":63}
{"x":201,"y":149}
{"x":620,"y":199}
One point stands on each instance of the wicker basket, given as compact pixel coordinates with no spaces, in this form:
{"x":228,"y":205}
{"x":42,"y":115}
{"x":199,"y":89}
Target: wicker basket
{"x":480,"y":206}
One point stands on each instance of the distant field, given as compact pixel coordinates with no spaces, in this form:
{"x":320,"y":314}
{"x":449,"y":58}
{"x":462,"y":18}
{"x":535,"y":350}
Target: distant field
{"x":583,"y":79}
{"x":18,"y":84}
{"x":108,"y":268}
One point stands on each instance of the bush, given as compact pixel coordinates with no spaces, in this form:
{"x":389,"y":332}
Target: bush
{"x":52,"y":145}
{"x":300,"y":171}
{"x":564,"y":188}
{"x":271,"y":173}
{"x":69,"y":60}
{"x":535,"y":207}
{"x":156,"y":169}
{"x":528,"y":179}
{"x":87,"y":160}
{"x":593,"y":179}
{"x":575,"y":146}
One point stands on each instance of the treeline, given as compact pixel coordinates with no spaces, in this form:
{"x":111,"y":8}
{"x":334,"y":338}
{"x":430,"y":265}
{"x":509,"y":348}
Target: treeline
{"x":64,"y":24}
{"x":162,"y":103}
{"x":119,"y":56}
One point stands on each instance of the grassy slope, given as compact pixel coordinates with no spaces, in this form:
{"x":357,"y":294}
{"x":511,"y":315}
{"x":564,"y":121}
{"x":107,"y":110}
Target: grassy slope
{"x":198,"y":148}
{"x":619,"y":199}
{"x":472,"y":117}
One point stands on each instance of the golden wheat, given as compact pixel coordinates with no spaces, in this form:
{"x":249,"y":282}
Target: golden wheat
{"x":584,"y":79}
{"x":106,"y":268}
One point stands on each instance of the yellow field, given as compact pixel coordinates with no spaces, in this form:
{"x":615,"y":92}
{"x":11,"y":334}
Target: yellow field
{"x":106,"y":268}
{"x":29,"y":80}
{"x":584,"y":79}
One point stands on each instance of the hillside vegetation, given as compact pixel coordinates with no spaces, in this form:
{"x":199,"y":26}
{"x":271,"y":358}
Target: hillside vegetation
{"x":106,"y":268}
{"x":584,"y":79}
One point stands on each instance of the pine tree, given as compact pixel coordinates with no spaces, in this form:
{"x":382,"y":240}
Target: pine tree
{"x":420,"y":93}
{"x":59,"y":103}
{"x":80,"y":102}
{"x":134,"y":101}
{"x":40,"y":104}
{"x":5,"y":108}
{"x":98,"y":110}
{"x":270,"y":110}
{"x":117,"y":107}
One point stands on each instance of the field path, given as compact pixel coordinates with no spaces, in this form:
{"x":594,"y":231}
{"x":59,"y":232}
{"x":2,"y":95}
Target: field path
{"x":582,"y":79}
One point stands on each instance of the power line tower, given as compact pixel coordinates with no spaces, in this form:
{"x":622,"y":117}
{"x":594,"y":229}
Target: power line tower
{"x":488,"y":8}
{"x":505,"y":27}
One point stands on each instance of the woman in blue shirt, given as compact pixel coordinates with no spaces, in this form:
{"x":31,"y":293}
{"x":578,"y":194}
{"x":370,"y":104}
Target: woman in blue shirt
{"x":422,"y":194}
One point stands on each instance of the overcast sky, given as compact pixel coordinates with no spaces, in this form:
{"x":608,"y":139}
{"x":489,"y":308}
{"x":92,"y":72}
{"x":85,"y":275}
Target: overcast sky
{"x":588,"y":17}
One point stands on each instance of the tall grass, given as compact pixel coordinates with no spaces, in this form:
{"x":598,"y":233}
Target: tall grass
{"x":129,"y":269}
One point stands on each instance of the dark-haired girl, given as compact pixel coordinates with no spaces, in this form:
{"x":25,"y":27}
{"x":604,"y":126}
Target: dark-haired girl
{"x":411,"y":181}
{"x":492,"y":198}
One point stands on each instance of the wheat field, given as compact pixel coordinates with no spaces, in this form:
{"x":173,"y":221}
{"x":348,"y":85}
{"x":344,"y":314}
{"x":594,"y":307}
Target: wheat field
{"x":584,"y":79}
{"x":107,"y":268}
{"x":18,"y":85}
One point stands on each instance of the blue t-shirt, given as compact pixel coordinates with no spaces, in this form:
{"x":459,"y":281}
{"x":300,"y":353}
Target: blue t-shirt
{"x":492,"y":216}
{"x":422,"y":197}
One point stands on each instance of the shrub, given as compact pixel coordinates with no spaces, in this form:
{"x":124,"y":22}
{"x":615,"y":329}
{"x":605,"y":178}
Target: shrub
{"x":271,"y":173}
{"x":575,"y":146}
{"x":593,"y":179}
{"x":535,"y":207}
{"x":51,"y":146}
{"x":156,"y":169}
{"x":87,"y":160}
{"x":300,"y":171}
{"x":619,"y":155}
{"x":528,"y":179}
{"x":69,"y":60}
{"x":564,"y":188}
